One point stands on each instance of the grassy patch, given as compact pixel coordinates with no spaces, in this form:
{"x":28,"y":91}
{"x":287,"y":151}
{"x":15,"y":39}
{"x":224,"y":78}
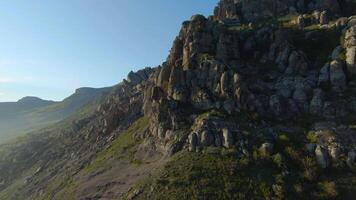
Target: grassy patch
{"x":120,"y":147}
{"x":213,"y":175}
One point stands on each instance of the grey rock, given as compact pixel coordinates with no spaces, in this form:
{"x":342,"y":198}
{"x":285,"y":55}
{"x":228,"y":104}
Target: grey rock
{"x":336,"y":53}
{"x":297,"y":63}
{"x":324,"y":76}
{"x":224,"y":83}
{"x":276,"y":105}
{"x":218,"y":141}
{"x":334,"y":152}
{"x":317,"y":102}
{"x":164,"y":75}
{"x":322,"y":157}
{"x":324,"y":18}
{"x":266,"y":148}
{"x":193,"y":142}
{"x":337,"y":76}
{"x":176,"y":77}
{"x":207,"y":138}
{"x":229,"y":106}
{"x":310,"y":147}
{"x":300,"y":97}
{"x":228,"y":139}
{"x":316,"y":16}
{"x":351,"y":60}
{"x":133,"y":78}
{"x":350,"y":37}
{"x":351,"y":159}
{"x":301,"y":22}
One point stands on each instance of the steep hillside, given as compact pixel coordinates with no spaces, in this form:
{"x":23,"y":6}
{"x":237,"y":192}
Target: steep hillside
{"x":32,"y":113}
{"x":254,"y":102}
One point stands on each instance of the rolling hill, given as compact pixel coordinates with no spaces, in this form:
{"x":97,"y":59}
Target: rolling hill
{"x":32,"y":113}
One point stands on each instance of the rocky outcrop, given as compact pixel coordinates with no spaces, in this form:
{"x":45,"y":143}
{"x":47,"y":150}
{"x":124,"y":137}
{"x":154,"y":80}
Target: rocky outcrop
{"x":350,"y":45}
{"x":255,"y":10}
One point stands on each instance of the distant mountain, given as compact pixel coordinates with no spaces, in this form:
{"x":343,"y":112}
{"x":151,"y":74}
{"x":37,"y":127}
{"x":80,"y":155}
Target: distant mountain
{"x":32,"y":113}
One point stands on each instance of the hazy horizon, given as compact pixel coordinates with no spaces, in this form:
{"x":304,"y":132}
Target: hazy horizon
{"x":51,"y":48}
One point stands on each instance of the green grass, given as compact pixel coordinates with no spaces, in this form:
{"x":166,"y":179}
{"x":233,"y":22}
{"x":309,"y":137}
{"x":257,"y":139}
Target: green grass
{"x":216,"y":174}
{"x":120,"y":147}
{"x":63,"y":186}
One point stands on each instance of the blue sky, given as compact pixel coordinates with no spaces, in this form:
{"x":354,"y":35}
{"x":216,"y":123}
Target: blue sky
{"x":48,"y":48}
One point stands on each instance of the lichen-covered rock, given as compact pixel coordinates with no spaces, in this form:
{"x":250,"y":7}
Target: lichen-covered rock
{"x":350,"y":37}
{"x":350,"y":44}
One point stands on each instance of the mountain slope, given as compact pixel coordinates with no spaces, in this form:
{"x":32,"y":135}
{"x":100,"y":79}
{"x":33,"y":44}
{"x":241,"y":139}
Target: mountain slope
{"x":254,"y":102}
{"x":32,"y":113}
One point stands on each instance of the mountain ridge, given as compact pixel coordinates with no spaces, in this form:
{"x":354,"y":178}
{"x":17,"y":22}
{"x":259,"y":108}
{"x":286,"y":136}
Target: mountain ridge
{"x":248,"y":105}
{"x":32,"y":113}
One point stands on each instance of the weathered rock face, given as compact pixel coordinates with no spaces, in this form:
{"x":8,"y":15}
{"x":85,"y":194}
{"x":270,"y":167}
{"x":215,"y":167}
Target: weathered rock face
{"x":228,"y":10}
{"x":350,"y":45}
{"x":212,"y":66}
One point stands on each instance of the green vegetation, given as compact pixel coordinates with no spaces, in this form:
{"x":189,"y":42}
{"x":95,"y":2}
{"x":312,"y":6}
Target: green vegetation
{"x":219,"y":174}
{"x":212,"y":175}
{"x":312,"y":137}
{"x":328,"y":190}
{"x":20,"y":118}
{"x":121,"y":147}
{"x":288,"y":21}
